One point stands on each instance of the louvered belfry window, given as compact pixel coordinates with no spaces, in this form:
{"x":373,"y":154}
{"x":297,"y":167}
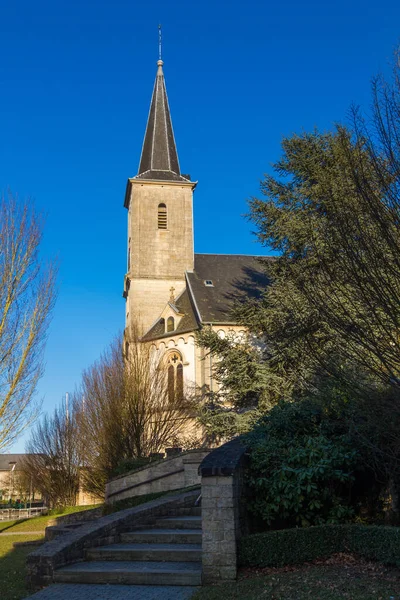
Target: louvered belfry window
{"x":162,"y":216}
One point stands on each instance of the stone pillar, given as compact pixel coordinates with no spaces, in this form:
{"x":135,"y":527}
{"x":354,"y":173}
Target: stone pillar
{"x":222,"y":518}
{"x":218,"y":522}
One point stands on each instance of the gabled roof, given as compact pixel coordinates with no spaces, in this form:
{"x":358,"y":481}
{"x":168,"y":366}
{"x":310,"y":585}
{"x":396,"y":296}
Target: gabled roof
{"x":6,"y":459}
{"x":186,"y":324}
{"x":233,"y":277}
{"x":159,"y":159}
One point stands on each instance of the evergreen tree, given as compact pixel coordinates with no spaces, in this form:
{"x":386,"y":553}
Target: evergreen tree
{"x":331,"y":211}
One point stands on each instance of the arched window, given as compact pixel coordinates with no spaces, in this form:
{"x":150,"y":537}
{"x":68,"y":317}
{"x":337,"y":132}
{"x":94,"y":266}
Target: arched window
{"x":179,"y":381}
{"x":162,"y":216}
{"x":171,"y":383}
{"x":170,"y":324}
{"x":175,"y":376}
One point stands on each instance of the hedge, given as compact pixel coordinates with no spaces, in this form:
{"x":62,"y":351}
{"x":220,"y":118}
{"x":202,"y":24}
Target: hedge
{"x":296,"y":546}
{"x":376,"y":543}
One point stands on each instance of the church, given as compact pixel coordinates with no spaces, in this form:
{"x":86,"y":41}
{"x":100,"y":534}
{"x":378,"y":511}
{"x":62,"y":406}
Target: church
{"x":169,"y":290}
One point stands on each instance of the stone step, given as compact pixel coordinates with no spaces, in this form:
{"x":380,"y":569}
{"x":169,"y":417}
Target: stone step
{"x":80,"y":591}
{"x":162,"y":536}
{"x":131,"y":573}
{"x":194,"y":511}
{"x":146,"y":552}
{"x":187,"y":522}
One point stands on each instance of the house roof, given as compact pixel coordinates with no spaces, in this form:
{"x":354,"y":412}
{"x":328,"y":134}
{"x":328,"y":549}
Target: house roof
{"x":6,"y":459}
{"x":159,"y":159}
{"x":233,"y":277}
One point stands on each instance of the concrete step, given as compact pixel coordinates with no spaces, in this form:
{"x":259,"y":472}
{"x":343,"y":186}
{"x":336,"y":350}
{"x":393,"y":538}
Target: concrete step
{"x":80,"y":591}
{"x":131,"y":573}
{"x":162,"y":536}
{"x":187,"y":522}
{"x":194,"y":511}
{"x":146,"y":552}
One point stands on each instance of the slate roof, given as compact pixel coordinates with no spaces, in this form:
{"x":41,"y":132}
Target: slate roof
{"x":234,"y":276}
{"x":187,"y":323}
{"x":5,"y":460}
{"x":159,"y":159}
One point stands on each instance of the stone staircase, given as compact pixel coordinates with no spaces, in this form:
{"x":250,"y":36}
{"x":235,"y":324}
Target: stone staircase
{"x":166,"y":553}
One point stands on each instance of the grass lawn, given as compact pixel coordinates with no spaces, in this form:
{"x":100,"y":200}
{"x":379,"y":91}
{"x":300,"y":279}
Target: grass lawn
{"x":12,"y":560}
{"x":40,"y":523}
{"x":339,"y":578}
{"x":12,"y":566}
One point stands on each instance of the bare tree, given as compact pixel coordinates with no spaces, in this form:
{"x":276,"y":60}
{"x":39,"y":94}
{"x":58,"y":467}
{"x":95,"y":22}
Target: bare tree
{"x":128,"y":410}
{"x":54,"y":460}
{"x":27,"y":295}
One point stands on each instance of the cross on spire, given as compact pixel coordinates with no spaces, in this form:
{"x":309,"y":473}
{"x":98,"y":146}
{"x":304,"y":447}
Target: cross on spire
{"x":172,"y":296}
{"x":159,"y":42}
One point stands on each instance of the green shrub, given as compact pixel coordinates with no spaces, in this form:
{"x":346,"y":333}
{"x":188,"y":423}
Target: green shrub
{"x":305,"y":466}
{"x":290,"y":546}
{"x":296,"y":546}
{"x":375,"y":543}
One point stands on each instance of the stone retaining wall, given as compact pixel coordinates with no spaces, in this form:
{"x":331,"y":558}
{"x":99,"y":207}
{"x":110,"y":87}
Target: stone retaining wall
{"x":169,"y":474}
{"x":71,"y":547}
{"x":84,"y":515}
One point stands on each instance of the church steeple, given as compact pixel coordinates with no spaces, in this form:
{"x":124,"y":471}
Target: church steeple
{"x":159,"y":200}
{"x":159,"y":159}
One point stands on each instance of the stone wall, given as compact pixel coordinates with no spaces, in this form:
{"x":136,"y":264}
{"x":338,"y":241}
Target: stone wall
{"x":62,"y":524}
{"x":162,"y":476}
{"x":223,"y":510}
{"x":84,"y":515}
{"x":71,"y":547}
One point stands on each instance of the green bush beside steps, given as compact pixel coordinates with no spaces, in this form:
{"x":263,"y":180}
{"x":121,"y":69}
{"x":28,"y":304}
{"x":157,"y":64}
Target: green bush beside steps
{"x":296,"y":546}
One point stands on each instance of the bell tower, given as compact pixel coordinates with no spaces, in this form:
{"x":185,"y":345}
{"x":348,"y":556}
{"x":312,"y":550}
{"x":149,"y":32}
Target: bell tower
{"x":159,"y":200}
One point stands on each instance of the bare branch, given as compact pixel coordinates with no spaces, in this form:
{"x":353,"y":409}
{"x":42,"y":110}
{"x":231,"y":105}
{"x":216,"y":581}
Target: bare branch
{"x":126,"y":411}
{"x":27,"y":296}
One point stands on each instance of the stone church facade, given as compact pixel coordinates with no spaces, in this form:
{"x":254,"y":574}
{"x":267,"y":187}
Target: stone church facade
{"x":170,"y":291}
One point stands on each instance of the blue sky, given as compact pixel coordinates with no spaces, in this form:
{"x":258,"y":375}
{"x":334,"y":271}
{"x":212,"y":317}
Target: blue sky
{"x":75,"y":85}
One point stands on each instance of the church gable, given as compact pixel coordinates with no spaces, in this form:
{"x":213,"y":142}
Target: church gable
{"x":171,"y":316}
{"x":184,"y":320}
{"x":217,"y":282}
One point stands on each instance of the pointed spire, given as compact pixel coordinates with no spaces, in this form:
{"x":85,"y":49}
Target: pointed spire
{"x":159,"y":158}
